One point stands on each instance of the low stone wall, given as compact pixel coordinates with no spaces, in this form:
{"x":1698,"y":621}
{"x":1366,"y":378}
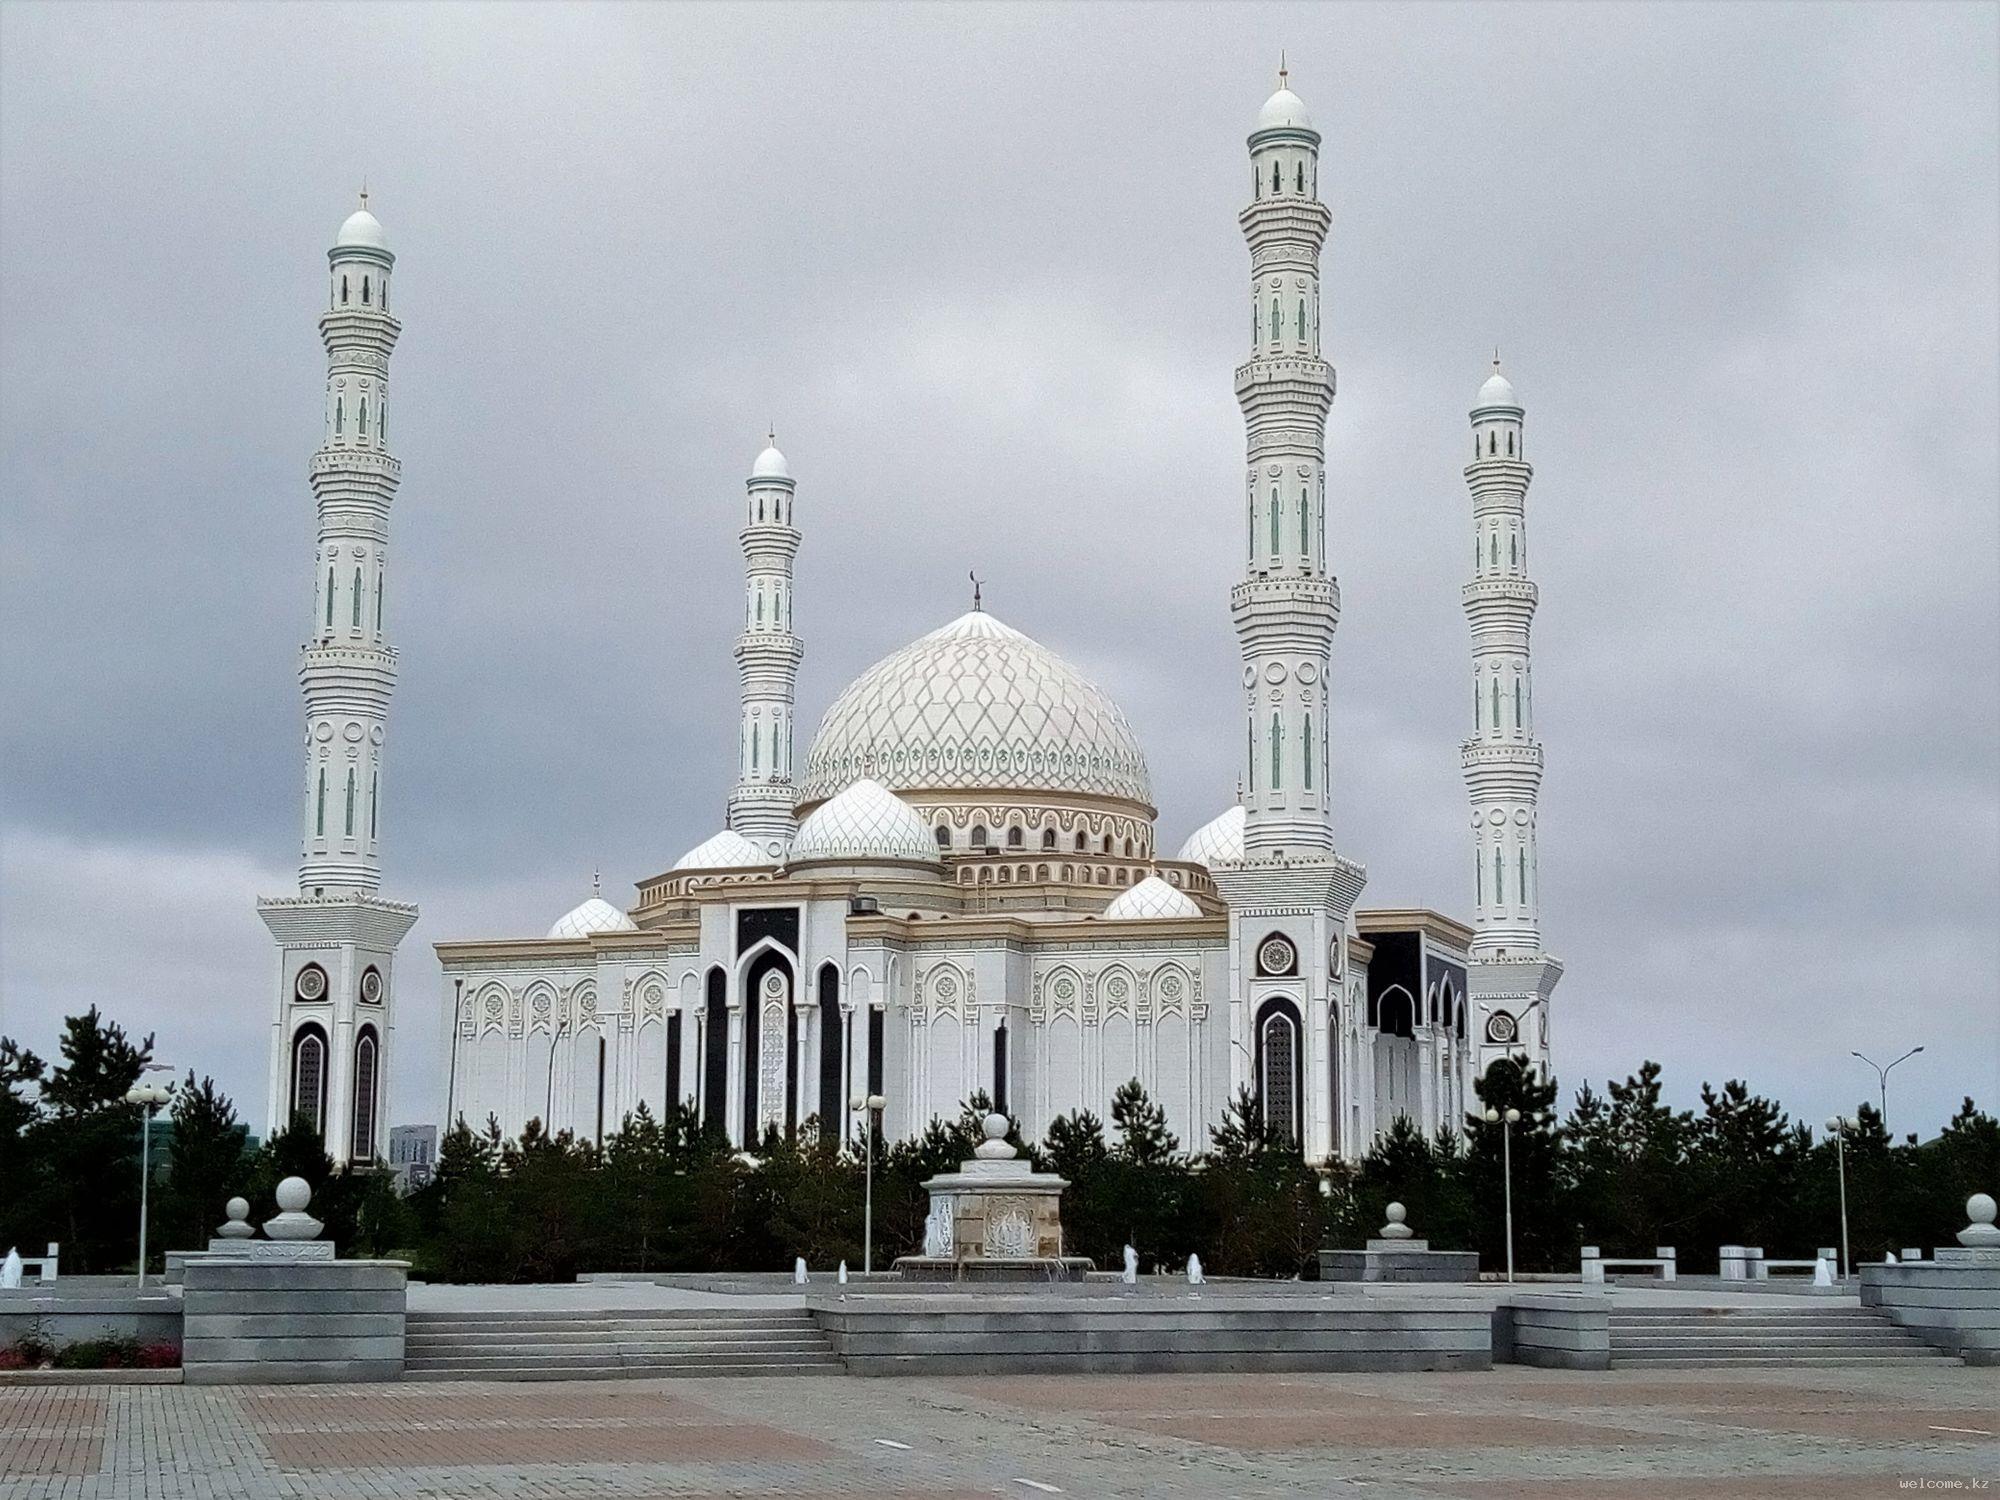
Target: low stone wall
{"x":249,"y":1322}
{"x":1951,"y":1306}
{"x":1554,"y":1333}
{"x":48,"y":1312}
{"x":1053,"y":1333}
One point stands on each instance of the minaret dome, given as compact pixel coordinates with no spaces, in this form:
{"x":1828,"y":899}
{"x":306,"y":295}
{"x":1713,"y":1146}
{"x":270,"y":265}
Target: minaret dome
{"x":770,"y":464}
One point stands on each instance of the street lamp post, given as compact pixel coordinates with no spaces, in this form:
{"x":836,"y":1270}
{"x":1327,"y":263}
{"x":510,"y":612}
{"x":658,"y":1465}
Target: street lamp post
{"x":549,"y":1104}
{"x":149,"y":1097}
{"x":1882,"y":1078}
{"x":1507,"y":1122}
{"x":870,"y":1107}
{"x":1838,"y":1126}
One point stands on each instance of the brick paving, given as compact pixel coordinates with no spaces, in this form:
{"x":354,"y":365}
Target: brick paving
{"x":1511,"y":1434}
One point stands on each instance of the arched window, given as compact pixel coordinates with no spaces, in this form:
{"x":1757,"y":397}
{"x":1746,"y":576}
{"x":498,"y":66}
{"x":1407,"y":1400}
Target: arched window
{"x":362,"y":426}
{"x":355,"y":601}
{"x":715,"y":1042}
{"x":1079,"y":841}
{"x":339,"y":416}
{"x":362,"y":1147}
{"x":830,"y":1105}
{"x":1307,"y":744}
{"x":1496,"y":702}
{"x":1277,"y":180}
{"x":1048,"y":838}
{"x":1478,"y":878}
{"x":1000,"y":1067}
{"x":1523,"y":886}
{"x":1256,"y":181}
{"x":1305,"y":523}
{"x":1510,"y":445}
{"x":1513,"y":550}
{"x":364,"y":291}
{"x":379,"y":581}
{"x":1277,"y":750}
{"x":1499,"y":876}
{"x":943,"y":836}
{"x":374,"y":790}
{"x":1517,"y":704}
{"x":1302,"y":177}
{"x":1128,"y":848}
{"x":343,"y":291}
{"x":760,"y":607}
{"x":1278,"y":1082}
{"x":979,"y":835}
{"x":329,"y":596}
{"x":1276,"y":325}
{"x":1276,"y":508}
{"x":1107,"y":843}
{"x":1475,"y":705}
{"x":1493,"y":548}
{"x":309,"y":1076}
{"x":350,"y":801}
{"x":1302,"y":320}
{"x":319,"y":814}
{"x":756,"y":747}
{"x":1492,"y":442}
{"x":1014,"y":837}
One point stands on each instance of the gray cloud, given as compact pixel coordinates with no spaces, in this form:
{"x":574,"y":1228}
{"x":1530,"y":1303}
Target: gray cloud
{"x":980,"y":266}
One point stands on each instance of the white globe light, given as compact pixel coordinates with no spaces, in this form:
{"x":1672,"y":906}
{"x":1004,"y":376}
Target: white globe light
{"x":876,"y":1101}
{"x":857,"y":1103}
{"x":1492,"y":1116}
{"x":1513,"y":1116}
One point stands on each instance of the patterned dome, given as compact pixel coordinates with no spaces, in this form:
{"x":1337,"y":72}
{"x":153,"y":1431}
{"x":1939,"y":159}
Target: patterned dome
{"x":976,"y":705}
{"x":727,"y":850}
{"x":1218,"y":840}
{"x":1152,"y":897}
{"x":595,"y":915}
{"x":867,"y":821}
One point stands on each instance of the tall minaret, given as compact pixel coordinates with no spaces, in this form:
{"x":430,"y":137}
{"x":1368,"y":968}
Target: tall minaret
{"x":1291,"y":896}
{"x":1287,"y":605}
{"x":767,"y":658}
{"x":335,"y":1016}
{"x":1503,"y":760}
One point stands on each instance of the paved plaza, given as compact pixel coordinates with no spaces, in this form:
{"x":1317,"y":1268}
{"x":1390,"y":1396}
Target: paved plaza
{"x":1805,"y":1434}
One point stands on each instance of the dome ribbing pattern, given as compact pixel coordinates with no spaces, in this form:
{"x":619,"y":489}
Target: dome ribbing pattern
{"x":976,"y":705}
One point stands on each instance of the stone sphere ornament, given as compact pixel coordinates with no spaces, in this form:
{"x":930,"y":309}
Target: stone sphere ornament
{"x":994,"y":1147}
{"x":238,"y":1226}
{"x":293,"y":1222}
{"x":1396,"y":1229}
{"x":1979,"y":1233}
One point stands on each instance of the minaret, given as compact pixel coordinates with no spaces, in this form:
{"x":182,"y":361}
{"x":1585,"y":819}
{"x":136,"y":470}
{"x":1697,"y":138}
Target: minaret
{"x":1291,"y":896}
{"x":1288,"y":604}
{"x":1503,"y":759}
{"x":335,"y":1016}
{"x":767,"y":657}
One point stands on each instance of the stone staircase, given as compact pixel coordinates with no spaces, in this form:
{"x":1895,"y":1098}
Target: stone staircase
{"x":602,"y":1345}
{"x":1670,"y":1336}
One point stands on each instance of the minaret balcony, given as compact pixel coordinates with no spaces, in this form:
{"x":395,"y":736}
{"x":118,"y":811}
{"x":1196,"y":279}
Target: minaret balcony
{"x":343,"y":463}
{"x":1286,"y":217}
{"x":1303,"y":605}
{"x":1304,"y":377}
{"x":367,"y":326}
{"x":1501,"y":593}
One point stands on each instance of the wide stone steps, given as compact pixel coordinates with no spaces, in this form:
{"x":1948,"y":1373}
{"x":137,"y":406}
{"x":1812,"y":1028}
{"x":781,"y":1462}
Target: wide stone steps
{"x":1656,"y":1336}
{"x":603,"y":1346}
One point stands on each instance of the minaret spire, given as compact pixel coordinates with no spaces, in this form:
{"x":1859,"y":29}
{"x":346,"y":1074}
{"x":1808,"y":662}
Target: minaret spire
{"x":767,"y":657}
{"x":337,"y":939}
{"x":1503,"y":759}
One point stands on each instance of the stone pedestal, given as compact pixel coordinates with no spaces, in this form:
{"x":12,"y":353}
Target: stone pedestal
{"x":274,"y":1322}
{"x":1399,"y":1260}
{"x":1953,"y":1301}
{"x":995,"y":1219}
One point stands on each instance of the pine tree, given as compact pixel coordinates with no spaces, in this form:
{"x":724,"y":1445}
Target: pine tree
{"x":208,"y":1164}
{"x":1143,"y":1137}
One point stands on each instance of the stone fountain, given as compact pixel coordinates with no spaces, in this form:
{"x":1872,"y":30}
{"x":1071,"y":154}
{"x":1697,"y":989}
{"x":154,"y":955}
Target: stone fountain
{"x":995,"y":1219}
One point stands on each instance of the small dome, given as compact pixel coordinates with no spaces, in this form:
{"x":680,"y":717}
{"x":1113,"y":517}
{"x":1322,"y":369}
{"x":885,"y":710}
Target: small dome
{"x":770,"y":464}
{"x":363,"y":231}
{"x":1284,"y":109}
{"x":1219,"y":841}
{"x":595,"y":915}
{"x":728,"y":850}
{"x":866,"y":821}
{"x":1152,"y":897}
{"x":1498,"y":391}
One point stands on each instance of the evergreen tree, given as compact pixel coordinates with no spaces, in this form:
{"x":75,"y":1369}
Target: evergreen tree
{"x":1143,"y":1137}
{"x":87,"y":1140}
{"x":24,"y":1204}
{"x":209,"y":1164}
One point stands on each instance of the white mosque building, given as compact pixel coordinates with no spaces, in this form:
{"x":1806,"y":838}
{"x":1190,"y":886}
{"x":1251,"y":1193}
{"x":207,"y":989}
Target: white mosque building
{"x":959,"y":888}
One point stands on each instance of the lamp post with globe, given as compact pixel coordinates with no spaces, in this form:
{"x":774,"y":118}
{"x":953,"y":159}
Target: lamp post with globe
{"x":870,"y":1107}
{"x":1507,"y":1120}
{"x":149,"y":1097}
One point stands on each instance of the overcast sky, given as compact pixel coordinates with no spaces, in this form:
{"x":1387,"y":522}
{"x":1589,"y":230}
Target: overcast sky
{"x":981,"y":268}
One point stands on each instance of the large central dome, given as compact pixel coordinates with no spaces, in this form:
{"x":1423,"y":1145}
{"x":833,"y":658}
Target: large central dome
{"x":971,"y":706}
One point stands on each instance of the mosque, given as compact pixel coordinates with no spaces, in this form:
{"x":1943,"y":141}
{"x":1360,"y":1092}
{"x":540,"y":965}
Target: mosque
{"x":959,"y":888}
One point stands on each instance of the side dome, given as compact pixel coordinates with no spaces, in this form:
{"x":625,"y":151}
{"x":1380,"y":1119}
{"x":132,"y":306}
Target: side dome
{"x":1152,"y":897}
{"x":770,"y":464}
{"x":1218,"y":841}
{"x":865,"y":822}
{"x":595,"y":915}
{"x":976,"y":706}
{"x":728,"y":850}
